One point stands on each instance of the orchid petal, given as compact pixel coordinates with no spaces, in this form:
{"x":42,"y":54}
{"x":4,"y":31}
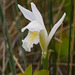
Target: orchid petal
{"x":27,"y":14}
{"x":56,"y":26}
{"x":37,"y":13}
{"x":32,"y":38}
{"x":33,"y":26}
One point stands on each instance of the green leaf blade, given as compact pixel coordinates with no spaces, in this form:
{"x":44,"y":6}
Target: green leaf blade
{"x":28,"y":70}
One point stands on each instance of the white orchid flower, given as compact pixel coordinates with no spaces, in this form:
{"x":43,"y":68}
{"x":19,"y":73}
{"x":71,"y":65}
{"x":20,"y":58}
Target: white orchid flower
{"x":37,"y":32}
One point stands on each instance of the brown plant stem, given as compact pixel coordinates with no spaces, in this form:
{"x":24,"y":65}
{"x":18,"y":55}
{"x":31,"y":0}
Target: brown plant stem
{"x":59,"y":51}
{"x":59,"y":10}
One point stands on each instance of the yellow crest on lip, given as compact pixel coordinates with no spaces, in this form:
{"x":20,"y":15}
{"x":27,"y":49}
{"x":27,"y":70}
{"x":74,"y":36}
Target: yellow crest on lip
{"x":33,"y":35}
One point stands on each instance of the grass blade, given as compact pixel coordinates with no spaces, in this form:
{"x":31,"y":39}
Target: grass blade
{"x":44,"y":10}
{"x":12,"y":67}
{"x":71,"y":20}
{"x":26,"y":4}
{"x":52,"y":44}
{"x":20,"y":37}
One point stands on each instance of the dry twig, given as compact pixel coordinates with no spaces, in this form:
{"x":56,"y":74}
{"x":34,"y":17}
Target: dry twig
{"x":18,"y":64}
{"x":58,"y":59}
{"x":61,"y":6}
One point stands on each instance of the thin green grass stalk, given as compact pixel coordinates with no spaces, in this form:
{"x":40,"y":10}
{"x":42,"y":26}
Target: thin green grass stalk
{"x":44,"y":10}
{"x":50,"y":15}
{"x":10,"y":64}
{"x":71,"y":21}
{"x":13,"y":70}
{"x":18,"y":16}
{"x":40,"y":59}
{"x":23,"y":51}
{"x":5,"y":41}
{"x":12,"y":67}
{"x":20,"y":38}
{"x":26,"y":4}
{"x":40,"y":6}
{"x":48,"y":5}
{"x":73,"y":68}
{"x":1,"y":20}
{"x":11,"y":51}
{"x":3,"y":31}
{"x":52,"y":44}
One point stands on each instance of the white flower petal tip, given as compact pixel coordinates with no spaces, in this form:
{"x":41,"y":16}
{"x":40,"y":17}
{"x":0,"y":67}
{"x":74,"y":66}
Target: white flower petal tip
{"x":63,"y":17}
{"x":56,"y":26}
{"x":32,"y":3}
{"x":27,"y":14}
{"x":36,"y":13}
{"x":64,"y":14}
{"x":23,"y":29}
{"x":19,"y":6}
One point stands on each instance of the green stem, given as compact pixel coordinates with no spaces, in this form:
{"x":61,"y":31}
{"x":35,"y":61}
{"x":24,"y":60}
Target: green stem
{"x":52,"y":44}
{"x":26,"y":4}
{"x":20,"y":37}
{"x":3,"y":31}
{"x":50,"y":15}
{"x":44,"y":9}
{"x":45,"y":61}
{"x":13,"y":70}
{"x":23,"y":51}
{"x":71,"y":20}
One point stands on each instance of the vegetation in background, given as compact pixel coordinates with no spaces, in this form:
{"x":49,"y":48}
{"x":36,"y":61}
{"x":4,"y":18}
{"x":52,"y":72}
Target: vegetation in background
{"x":13,"y":58}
